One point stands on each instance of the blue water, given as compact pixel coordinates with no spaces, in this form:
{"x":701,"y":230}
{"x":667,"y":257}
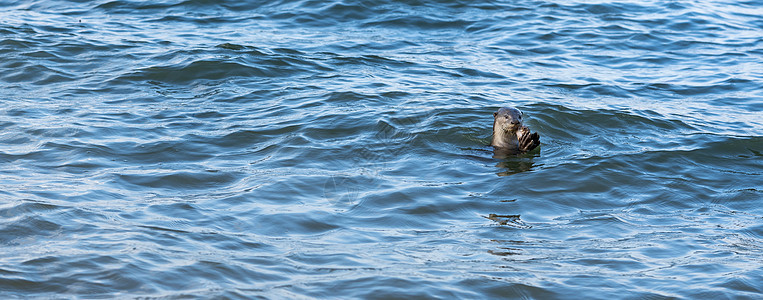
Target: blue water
{"x":322,"y":149}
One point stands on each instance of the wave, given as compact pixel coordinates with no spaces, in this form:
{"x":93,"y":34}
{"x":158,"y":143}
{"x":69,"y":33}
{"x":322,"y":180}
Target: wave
{"x":313,"y":149}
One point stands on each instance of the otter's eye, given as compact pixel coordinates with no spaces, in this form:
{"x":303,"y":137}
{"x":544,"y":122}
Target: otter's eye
{"x":506,"y":116}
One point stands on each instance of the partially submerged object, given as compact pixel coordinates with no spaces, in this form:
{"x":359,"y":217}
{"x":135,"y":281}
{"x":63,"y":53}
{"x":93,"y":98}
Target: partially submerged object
{"x":510,"y":136}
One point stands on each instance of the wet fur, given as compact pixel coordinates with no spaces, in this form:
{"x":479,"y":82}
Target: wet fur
{"x":509,"y":133}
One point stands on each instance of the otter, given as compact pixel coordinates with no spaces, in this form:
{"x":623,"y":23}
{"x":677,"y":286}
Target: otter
{"x":510,"y":136}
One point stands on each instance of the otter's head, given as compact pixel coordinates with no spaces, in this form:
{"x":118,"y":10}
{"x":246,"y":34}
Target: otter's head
{"x":507,"y":119}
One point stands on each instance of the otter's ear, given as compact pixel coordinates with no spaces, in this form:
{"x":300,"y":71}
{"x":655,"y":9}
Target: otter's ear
{"x":495,"y":114}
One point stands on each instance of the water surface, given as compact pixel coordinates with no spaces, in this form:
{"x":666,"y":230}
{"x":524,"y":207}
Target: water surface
{"x":315,"y":149}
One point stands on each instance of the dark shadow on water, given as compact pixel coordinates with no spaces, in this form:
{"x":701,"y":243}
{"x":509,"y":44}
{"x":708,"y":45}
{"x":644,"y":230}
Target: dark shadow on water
{"x":514,"y":163}
{"x":513,"y":247}
{"x":508,"y":220}
{"x":502,"y":153}
{"x":514,"y":167}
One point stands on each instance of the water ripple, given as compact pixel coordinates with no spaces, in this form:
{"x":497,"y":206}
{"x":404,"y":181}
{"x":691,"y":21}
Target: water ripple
{"x":292,"y":149}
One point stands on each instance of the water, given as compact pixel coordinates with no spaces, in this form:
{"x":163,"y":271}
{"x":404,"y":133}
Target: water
{"x":320,"y":149}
